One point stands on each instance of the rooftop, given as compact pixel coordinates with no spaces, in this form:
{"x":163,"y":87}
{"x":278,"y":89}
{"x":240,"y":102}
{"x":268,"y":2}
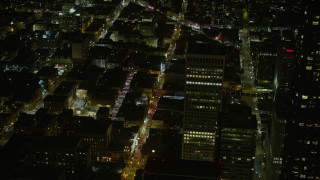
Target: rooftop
{"x":238,"y":121}
{"x":47,"y":71}
{"x":184,"y":168}
{"x":91,"y":126}
{"x":38,"y":173}
{"x":50,"y":142}
{"x":207,"y":48}
{"x":64,"y":88}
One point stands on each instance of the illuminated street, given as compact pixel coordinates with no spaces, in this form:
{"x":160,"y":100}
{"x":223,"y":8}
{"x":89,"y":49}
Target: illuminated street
{"x":249,"y":86}
{"x":136,"y":160}
{"x":160,"y":89}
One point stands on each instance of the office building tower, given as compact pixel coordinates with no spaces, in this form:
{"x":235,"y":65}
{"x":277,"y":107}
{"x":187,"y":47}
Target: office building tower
{"x":237,"y":143}
{"x":282,"y":83}
{"x":203,"y":88}
{"x":264,"y":60}
{"x":275,"y":146}
{"x":301,"y":145}
{"x":284,"y":67}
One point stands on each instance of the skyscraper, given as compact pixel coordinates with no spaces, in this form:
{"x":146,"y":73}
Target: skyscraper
{"x":203,"y":88}
{"x":237,"y":130}
{"x":302,"y":147}
{"x":284,"y":67}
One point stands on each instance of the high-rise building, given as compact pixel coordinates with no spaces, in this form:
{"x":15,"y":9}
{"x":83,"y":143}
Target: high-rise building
{"x":275,"y":146}
{"x":237,"y":143}
{"x":301,"y":145}
{"x":284,"y":67}
{"x":203,"y":88}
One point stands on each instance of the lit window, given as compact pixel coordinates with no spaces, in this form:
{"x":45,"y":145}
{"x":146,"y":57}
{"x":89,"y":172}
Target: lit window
{"x":303,"y":106}
{"x":308,"y":67}
{"x":304,"y":96}
{"x":315,"y":23}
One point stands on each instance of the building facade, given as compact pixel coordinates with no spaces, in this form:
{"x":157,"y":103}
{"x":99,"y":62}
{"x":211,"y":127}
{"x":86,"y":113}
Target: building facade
{"x":59,"y":151}
{"x":236,"y":143}
{"x":203,"y":88}
{"x":277,"y":134}
{"x":301,"y":145}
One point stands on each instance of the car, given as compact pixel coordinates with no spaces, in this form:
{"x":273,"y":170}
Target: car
{"x":153,"y":106}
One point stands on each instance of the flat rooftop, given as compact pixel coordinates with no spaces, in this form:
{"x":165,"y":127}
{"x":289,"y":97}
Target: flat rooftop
{"x":186,"y":169}
{"x":206,"y":48}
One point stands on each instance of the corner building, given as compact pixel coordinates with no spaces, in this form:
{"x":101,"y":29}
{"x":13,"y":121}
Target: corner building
{"x":203,"y":88}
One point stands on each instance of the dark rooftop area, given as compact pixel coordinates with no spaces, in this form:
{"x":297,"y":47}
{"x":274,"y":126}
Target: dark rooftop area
{"x":38,"y":173}
{"x":90,"y":125}
{"x":235,"y":120}
{"x":184,"y":168}
{"x":64,"y":88}
{"x":47,"y":71}
{"x":208,"y":48}
{"x":51,"y":142}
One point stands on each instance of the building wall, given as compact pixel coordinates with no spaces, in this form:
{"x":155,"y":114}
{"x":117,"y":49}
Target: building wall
{"x":277,"y":137}
{"x":237,"y":152}
{"x":98,"y":143}
{"x":301,"y":145}
{"x":203,"y":88}
{"x":58,"y":156}
{"x":284,"y":68}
